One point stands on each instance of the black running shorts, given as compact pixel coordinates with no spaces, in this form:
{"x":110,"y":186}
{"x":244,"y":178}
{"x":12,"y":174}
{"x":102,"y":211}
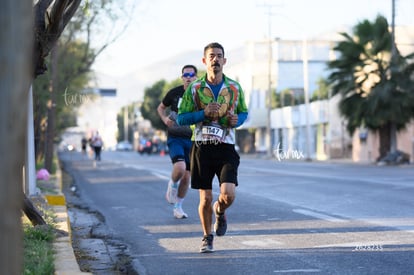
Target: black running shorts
{"x":208,"y":160}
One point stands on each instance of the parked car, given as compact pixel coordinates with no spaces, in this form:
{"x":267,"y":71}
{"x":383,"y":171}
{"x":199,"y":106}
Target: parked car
{"x":124,"y":146}
{"x":398,"y":157}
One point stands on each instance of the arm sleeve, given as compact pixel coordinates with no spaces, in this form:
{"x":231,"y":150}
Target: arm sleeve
{"x":242,"y":110}
{"x":190,"y":118}
{"x":167,"y":99}
{"x":241,"y":119}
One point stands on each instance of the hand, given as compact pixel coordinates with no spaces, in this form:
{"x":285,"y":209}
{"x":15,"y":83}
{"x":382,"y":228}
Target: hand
{"x":211,"y":111}
{"x":169,"y":122}
{"x":232,"y":119}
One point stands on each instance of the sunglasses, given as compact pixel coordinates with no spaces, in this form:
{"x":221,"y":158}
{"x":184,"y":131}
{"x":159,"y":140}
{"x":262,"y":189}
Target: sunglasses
{"x":188,"y":74}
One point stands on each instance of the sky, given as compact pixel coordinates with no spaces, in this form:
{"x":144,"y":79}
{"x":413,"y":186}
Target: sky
{"x":161,"y":29}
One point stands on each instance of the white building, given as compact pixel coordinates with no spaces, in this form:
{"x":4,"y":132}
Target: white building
{"x":279,"y":65}
{"x":315,"y":129}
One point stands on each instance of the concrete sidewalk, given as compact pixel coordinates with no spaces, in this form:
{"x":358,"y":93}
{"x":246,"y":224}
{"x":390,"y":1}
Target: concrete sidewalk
{"x":65,"y":260}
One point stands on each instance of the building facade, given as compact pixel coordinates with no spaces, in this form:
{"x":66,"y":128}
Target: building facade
{"x":313,"y":130}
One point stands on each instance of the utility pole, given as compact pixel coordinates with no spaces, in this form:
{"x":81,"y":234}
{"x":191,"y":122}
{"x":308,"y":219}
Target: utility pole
{"x":393,"y":127}
{"x":126,"y":123}
{"x":269,"y":89}
{"x":269,"y":145}
{"x":306,"y":95}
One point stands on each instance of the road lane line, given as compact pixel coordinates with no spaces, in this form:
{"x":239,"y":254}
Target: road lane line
{"x":304,"y":270}
{"x":384,"y":181}
{"x":318,"y":215}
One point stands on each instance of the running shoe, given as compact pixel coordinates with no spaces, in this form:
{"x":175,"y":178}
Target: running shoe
{"x":179,"y":213}
{"x":171,"y":195}
{"x":220,"y":226}
{"x":207,"y":244}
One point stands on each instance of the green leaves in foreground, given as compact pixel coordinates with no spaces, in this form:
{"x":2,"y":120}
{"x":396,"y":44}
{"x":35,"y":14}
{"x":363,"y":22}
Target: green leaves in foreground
{"x":38,"y":250}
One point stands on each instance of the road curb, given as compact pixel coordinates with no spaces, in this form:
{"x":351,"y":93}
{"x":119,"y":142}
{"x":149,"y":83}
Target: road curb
{"x":65,"y":259}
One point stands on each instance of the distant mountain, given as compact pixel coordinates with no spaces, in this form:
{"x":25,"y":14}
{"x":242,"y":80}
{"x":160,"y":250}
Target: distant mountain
{"x":130,"y":87}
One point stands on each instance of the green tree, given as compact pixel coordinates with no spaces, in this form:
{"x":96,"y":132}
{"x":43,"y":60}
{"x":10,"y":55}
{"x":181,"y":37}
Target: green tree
{"x":51,"y":23}
{"x":290,"y":97}
{"x":97,"y":25}
{"x":287,"y":98}
{"x":274,"y":100}
{"x":92,"y":29}
{"x":152,"y":98}
{"x":323,"y":90}
{"x":130,"y":111}
{"x":376,"y":89}
{"x":68,"y":96}
{"x":50,"y":20}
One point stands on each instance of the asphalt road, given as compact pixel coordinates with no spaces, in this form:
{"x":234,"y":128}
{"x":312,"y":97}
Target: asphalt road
{"x":288,"y":217}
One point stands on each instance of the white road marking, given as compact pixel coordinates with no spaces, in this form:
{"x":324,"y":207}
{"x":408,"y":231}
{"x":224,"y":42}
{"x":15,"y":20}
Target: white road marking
{"x":305,"y":270}
{"x":318,"y":215}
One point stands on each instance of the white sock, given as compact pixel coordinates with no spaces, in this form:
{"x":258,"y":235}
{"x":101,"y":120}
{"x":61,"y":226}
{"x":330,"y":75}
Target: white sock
{"x":174,"y":184}
{"x":179,"y":202}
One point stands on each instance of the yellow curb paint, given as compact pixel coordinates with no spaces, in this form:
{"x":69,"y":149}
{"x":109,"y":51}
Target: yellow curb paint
{"x":56,"y":199}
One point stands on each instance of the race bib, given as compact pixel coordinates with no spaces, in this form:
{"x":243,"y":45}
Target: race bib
{"x":213,"y":132}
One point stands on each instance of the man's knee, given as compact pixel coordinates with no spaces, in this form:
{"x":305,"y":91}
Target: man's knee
{"x":227,"y":198}
{"x":227,"y":193}
{"x":205,"y":197}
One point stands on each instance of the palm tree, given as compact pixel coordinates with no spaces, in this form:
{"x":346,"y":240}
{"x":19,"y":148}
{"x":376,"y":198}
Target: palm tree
{"x":375,"y":85}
